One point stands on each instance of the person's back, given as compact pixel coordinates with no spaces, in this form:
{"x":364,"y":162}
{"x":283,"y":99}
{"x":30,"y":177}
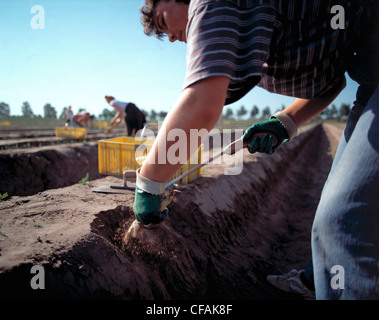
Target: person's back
{"x":134,"y":113}
{"x":135,"y":118}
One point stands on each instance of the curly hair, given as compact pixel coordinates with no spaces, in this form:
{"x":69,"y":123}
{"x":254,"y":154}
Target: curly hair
{"x":147,"y":19}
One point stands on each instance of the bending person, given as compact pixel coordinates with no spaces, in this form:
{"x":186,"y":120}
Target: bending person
{"x":134,"y":117}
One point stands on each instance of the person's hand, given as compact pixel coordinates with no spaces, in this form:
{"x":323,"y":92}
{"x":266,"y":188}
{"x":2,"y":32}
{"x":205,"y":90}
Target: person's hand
{"x":113,"y":125}
{"x":147,"y":208}
{"x":266,"y":136}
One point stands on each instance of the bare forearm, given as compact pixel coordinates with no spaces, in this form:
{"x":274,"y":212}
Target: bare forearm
{"x":198,"y":107}
{"x":116,"y":120}
{"x":301,"y":110}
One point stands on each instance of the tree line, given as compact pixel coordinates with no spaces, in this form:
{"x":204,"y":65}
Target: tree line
{"x":49,"y":112}
{"x":27,"y":112}
{"x":331,"y":112}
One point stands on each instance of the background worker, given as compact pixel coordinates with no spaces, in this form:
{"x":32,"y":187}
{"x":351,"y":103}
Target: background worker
{"x":134,"y":117}
{"x":290,"y":48}
{"x":82,"y":118}
{"x":68,"y":115}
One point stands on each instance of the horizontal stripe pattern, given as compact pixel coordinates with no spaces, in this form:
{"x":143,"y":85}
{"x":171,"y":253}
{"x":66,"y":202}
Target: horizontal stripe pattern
{"x":286,"y":47}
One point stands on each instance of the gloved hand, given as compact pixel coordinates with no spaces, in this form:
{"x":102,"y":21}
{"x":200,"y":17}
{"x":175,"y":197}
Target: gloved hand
{"x":147,"y":208}
{"x":274,"y":135}
{"x":147,"y":200}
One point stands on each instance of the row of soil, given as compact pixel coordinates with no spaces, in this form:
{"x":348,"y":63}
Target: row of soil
{"x":29,"y":166}
{"x":14,"y":141}
{"x":223,"y":236}
{"x":28,"y":172}
{"x":229,"y":232}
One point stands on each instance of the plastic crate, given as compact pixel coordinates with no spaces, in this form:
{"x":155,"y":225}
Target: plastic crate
{"x":119,"y":154}
{"x":101,"y":125}
{"x":71,"y":133}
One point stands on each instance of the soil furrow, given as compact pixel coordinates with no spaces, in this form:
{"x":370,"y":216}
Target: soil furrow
{"x":223,"y":236}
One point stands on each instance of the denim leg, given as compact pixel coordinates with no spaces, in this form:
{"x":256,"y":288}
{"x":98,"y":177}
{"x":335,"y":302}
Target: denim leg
{"x":345,"y":232}
{"x":362,"y":98}
{"x":307,"y":276}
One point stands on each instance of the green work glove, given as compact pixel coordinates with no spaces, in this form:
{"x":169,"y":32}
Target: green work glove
{"x":147,"y":208}
{"x":274,"y":135}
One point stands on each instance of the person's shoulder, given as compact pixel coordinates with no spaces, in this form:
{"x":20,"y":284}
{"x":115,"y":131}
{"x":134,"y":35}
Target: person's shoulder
{"x":117,"y":103}
{"x":196,"y":5}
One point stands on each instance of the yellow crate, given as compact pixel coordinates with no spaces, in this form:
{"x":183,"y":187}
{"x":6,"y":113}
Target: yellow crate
{"x":5,"y":123}
{"x":71,"y":133}
{"x":119,"y":154}
{"x":101,"y":125}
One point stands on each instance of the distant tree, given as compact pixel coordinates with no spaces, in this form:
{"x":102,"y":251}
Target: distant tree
{"x":228,"y":114}
{"x":26,"y":110}
{"x":49,"y":111}
{"x":61,"y":116}
{"x":333,"y":111}
{"x":162,"y":115}
{"x":145,"y":113}
{"x":4,"y":110}
{"x":330,"y":112}
{"x":325,"y":114}
{"x":107,"y":114}
{"x":241,"y":112}
{"x":266,"y":112}
{"x":153,"y":115}
{"x":344,"y":111}
{"x":254,"y":112}
{"x":281,"y":108}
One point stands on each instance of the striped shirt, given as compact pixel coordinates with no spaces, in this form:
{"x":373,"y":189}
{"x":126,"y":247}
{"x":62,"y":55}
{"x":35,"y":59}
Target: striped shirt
{"x":286,"y":47}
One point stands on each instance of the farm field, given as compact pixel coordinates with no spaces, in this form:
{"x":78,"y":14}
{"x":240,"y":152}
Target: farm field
{"x":24,"y":134}
{"x":223,"y":236}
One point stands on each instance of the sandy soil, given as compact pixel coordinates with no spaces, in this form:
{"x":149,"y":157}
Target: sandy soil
{"x":223,"y":236}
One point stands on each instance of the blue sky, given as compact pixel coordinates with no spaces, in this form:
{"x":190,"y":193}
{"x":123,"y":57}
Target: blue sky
{"x":92,"y":48}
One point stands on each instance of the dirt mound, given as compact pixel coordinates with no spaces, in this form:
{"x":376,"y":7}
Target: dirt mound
{"x":224,"y":233}
{"x":25,"y":173}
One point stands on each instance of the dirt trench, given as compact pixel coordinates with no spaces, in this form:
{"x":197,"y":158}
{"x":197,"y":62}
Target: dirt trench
{"x":26,"y":173}
{"x":223,"y":236}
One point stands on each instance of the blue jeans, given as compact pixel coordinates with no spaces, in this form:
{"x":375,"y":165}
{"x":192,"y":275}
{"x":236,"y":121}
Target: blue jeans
{"x":345,"y":233}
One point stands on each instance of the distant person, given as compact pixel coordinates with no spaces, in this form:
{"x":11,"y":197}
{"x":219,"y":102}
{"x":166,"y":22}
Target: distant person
{"x":68,"y":114}
{"x":81,"y":119}
{"x":134,"y":117}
